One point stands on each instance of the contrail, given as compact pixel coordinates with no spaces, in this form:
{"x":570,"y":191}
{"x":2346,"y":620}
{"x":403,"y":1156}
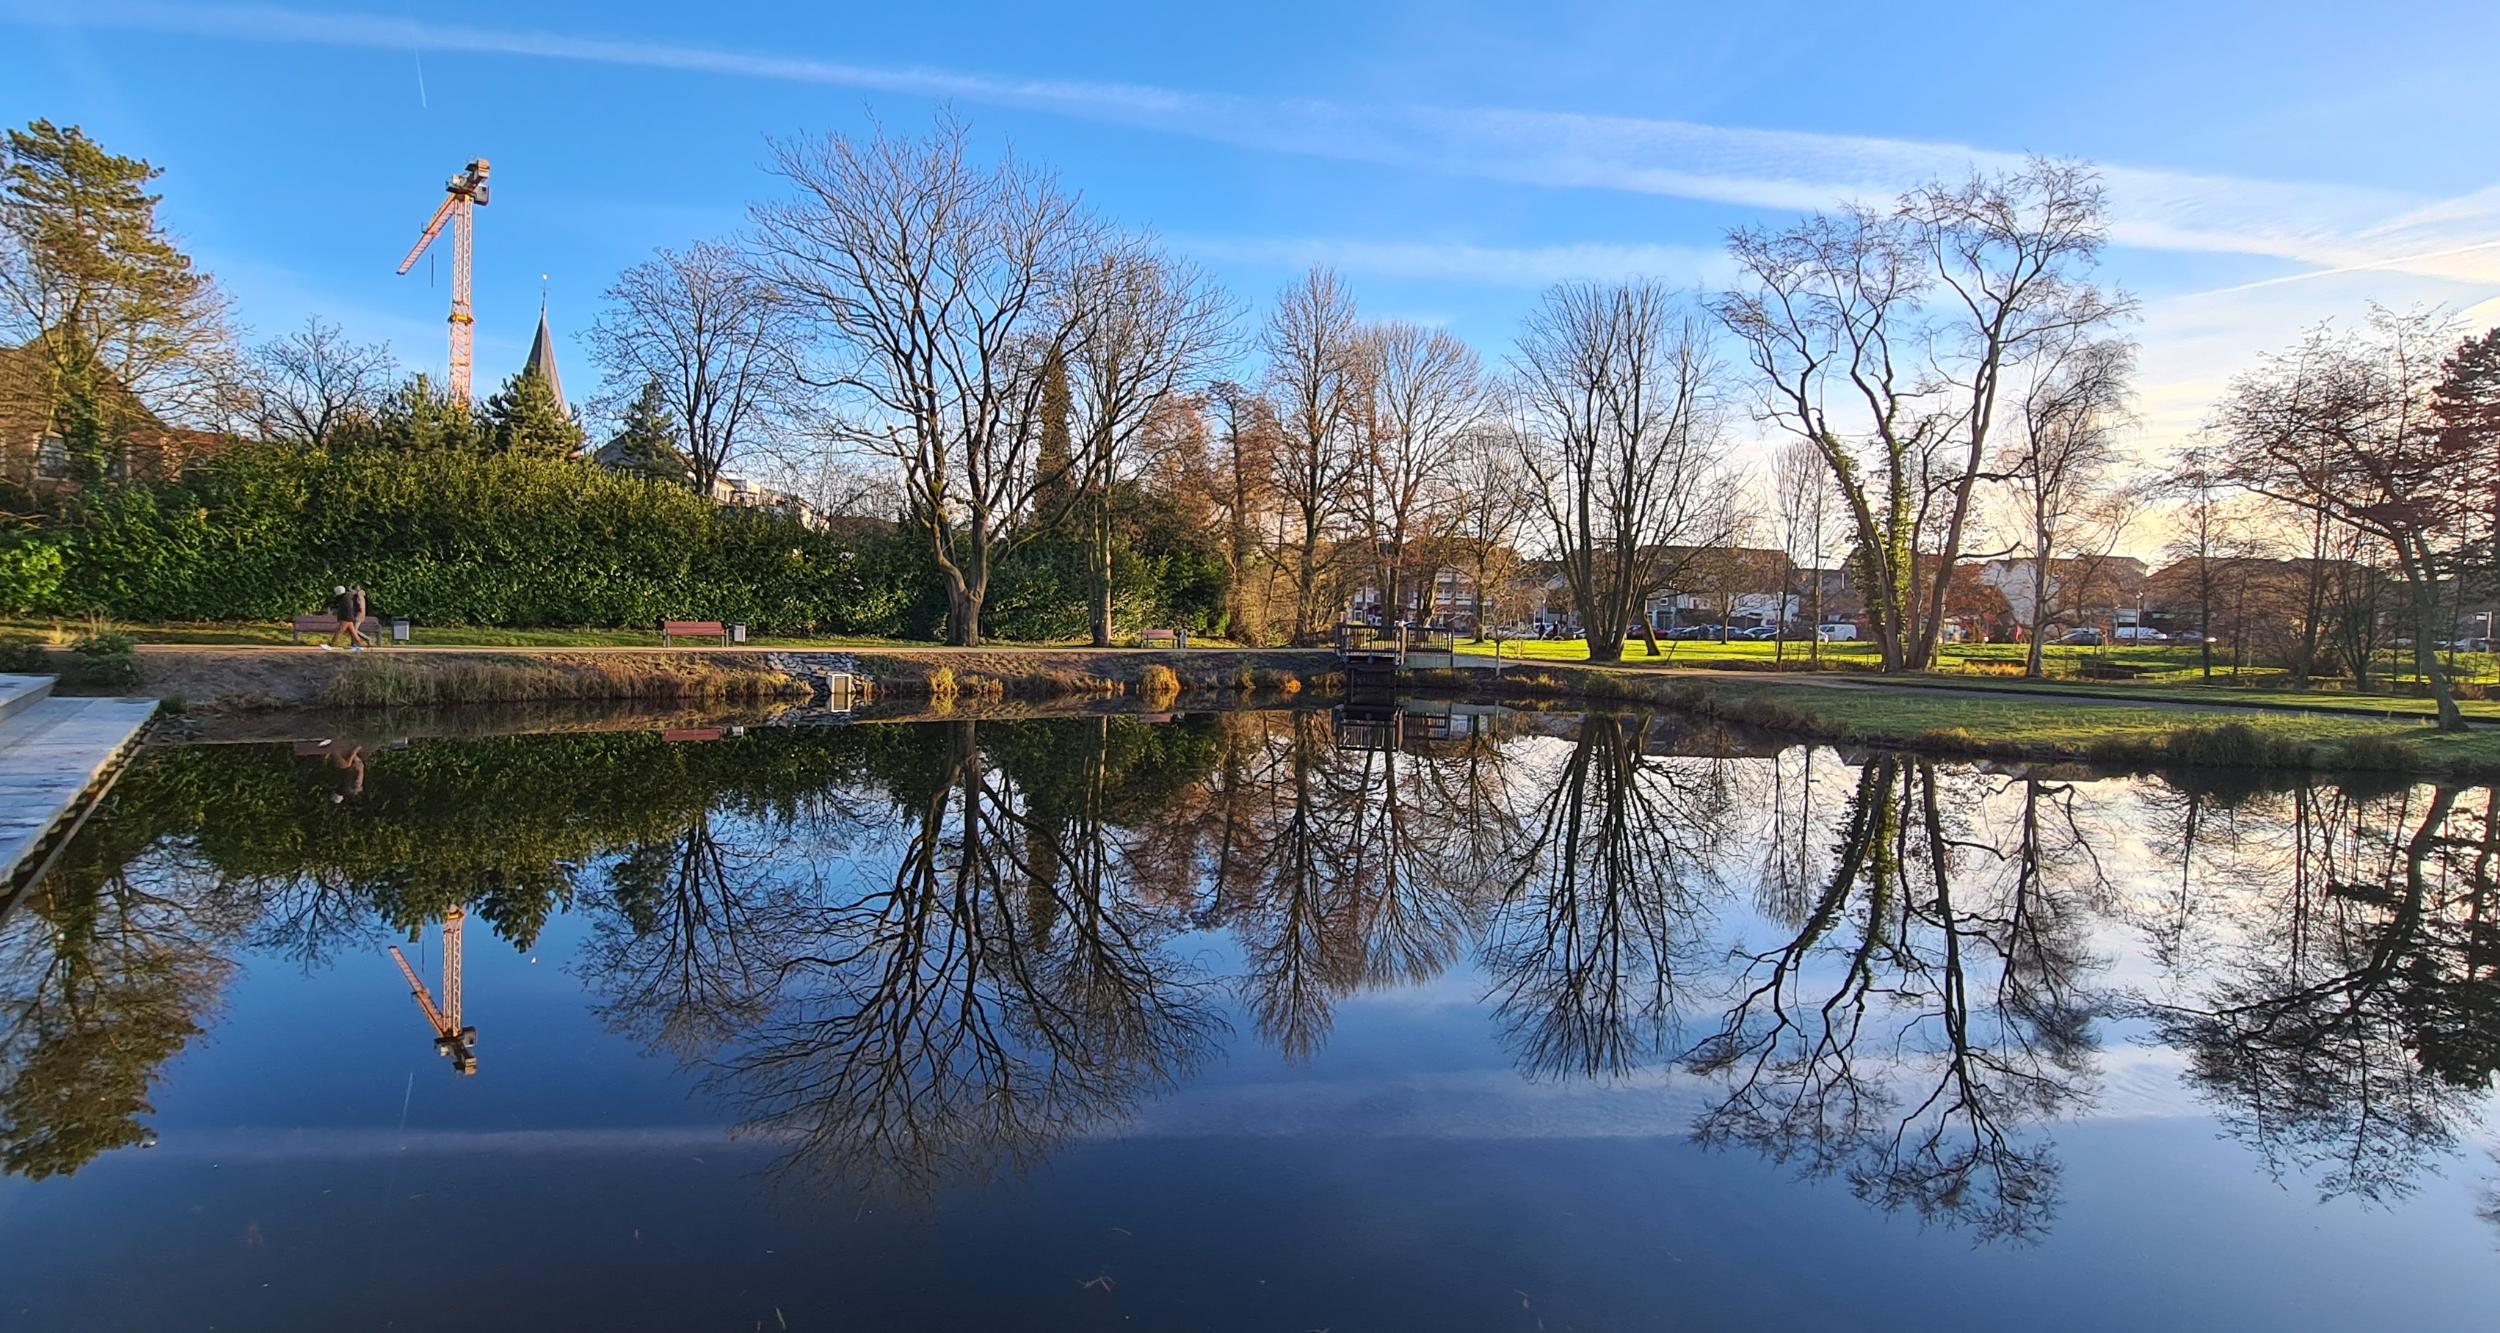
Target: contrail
{"x":2323,"y":225}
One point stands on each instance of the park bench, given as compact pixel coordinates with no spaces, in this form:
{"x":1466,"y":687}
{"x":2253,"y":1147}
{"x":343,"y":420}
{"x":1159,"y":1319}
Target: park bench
{"x":692,"y":735}
{"x":673,"y":630}
{"x":1163,"y":638}
{"x":327,"y":625}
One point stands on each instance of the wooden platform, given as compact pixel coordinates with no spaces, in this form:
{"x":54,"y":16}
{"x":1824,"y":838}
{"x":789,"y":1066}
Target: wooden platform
{"x":52,"y":752}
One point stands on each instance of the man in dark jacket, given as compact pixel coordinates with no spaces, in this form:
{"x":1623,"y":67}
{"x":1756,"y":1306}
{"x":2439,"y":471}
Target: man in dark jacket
{"x":348,"y":604}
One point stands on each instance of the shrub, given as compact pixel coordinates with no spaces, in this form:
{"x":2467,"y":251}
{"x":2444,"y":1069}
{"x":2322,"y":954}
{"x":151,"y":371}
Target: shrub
{"x":105,"y":658}
{"x":2378,"y":750}
{"x":30,"y":573}
{"x":942,"y":683}
{"x":24,"y":659}
{"x":1157,"y":682}
{"x":2228,"y":745}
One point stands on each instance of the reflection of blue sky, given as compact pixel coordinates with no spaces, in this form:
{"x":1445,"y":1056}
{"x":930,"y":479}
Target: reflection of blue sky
{"x":1410,"y":1132}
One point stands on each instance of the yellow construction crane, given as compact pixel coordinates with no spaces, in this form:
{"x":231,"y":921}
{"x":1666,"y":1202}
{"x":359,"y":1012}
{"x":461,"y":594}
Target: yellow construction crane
{"x":462,"y":193}
{"x":452,"y":1041}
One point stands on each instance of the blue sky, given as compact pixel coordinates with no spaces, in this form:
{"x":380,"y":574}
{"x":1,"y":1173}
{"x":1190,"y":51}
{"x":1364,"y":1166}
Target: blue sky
{"x":2270,"y":164}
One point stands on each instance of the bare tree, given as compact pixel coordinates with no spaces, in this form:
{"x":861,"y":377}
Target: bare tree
{"x":1427,"y":398}
{"x":1804,"y":506}
{"x":1243,"y":494}
{"x":2344,"y":426}
{"x":941,"y":284}
{"x":2206,"y":541}
{"x":1885,"y":339}
{"x":1315,"y":369}
{"x":1494,"y":505}
{"x":1618,"y":393}
{"x":1143,"y":325}
{"x":716,"y":336}
{"x":313,"y":386}
{"x":2058,"y":464}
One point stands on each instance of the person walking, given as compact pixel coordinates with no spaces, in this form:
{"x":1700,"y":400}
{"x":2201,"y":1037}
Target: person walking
{"x":348,"y":605}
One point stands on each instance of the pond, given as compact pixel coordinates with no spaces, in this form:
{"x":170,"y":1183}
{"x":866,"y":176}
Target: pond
{"x":1446,"y":1019}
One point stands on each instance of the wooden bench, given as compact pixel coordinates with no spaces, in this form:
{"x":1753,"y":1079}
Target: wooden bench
{"x":672,"y":630}
{"x":1163,"y":638}
{"x":326,"y":626}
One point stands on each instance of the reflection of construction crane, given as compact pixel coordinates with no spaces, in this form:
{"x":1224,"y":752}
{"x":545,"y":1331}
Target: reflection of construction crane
{"x":451,"y":1040}
{"x":464,"y":191}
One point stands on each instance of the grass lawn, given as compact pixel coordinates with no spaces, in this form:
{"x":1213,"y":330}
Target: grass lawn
{"x":2038,"y":724}
{"x":2390,"y":705}
{"x":2169,"y":672}
{"x":2077,"y":728}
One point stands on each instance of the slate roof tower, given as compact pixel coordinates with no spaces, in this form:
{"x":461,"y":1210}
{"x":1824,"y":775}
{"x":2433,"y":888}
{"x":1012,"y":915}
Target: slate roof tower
{"x":542,"y":358}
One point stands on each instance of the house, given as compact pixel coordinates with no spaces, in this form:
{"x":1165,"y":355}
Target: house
{"x":1452,"y":600}
{"x":740,"y":493}
{"x":34,"y":456}
{"x":2082,"y":590}
{"x":2261,"y":604}
{"x":1741,"y":586}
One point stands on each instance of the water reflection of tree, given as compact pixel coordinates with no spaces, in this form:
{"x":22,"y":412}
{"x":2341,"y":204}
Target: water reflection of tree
{"x":1927,"y":1009}
{"x":112,"y":964}
{"x":1003,"y":989}
{"x":2354,"y":1025}
{"x":1340,"y":858}
{"x":108,"y":970}
{"x":1605,"y":892}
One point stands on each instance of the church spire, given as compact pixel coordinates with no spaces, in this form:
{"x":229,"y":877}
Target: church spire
{"x":542,"y":358}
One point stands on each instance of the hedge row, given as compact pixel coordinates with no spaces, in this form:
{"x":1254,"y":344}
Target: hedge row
{"x":446,"y":538}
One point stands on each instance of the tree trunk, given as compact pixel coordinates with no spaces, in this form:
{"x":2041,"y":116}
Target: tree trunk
{"x":2033,"y":663}
{"x":2415,"y":556}
{"x":1098,"y":570}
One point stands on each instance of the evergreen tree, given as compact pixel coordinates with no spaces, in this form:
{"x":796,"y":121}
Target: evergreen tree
{"x":121,"y":328}
{"x":1054,"y":495}
{"x":525,"y":417}
{"x":418,"y":418}
{"x":2468,"y":407}
{"x":647,"y":444}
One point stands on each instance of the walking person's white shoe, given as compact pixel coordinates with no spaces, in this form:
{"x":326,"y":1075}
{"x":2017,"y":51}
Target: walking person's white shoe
{"x":329,"y":647}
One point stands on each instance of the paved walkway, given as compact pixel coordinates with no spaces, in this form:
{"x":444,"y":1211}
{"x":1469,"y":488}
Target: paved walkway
{"x":51,"y":751}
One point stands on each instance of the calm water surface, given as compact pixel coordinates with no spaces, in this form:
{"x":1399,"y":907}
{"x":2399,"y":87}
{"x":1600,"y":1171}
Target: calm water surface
{"x":1256,"y":1021}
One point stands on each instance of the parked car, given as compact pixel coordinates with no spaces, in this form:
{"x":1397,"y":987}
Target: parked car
{"x":1838,"y":631}
{"x":2080,"y":638}
{"x":2141,"y":634}
{"x":1759,"y":633}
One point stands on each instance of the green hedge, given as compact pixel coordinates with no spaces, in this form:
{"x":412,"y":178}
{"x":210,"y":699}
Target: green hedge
{"x":265,"y":533}
{"x":450,"y":538}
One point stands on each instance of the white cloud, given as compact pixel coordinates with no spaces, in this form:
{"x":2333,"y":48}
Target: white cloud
{"x":1492,"y":266}
{"x":2327,"y":225}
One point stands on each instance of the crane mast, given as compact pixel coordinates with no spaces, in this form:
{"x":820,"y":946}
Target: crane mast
{"x":463,"y":194}
{"x":452,"y":1040}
